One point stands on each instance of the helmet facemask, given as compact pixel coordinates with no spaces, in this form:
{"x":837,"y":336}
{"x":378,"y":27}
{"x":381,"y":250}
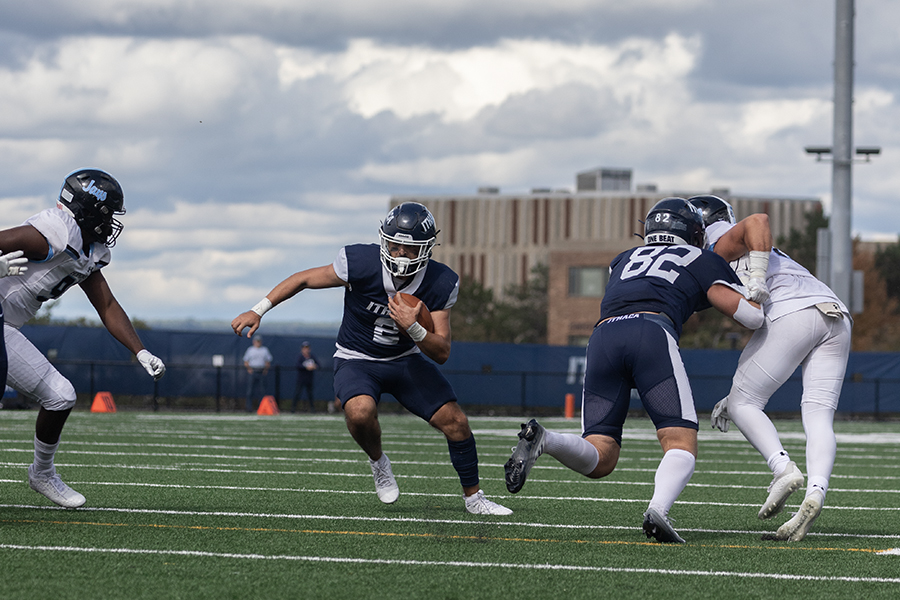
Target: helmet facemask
{"x":402,"y":266}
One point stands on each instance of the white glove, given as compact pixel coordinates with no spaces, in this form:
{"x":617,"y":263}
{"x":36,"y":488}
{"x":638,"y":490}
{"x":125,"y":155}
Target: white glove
{"x":757,"y":291}
{"x":13,"y":263}
{"x":152,"y":364}
{"x":719,"y":416}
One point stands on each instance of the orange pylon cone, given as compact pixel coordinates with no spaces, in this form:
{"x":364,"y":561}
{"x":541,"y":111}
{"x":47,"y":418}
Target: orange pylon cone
{"x":267,"y":406}
{"x":103,"y":403}
{"x":570,"y":406}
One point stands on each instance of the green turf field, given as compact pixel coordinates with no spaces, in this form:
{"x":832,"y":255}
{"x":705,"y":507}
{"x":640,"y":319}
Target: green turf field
{"x":216,"y":506}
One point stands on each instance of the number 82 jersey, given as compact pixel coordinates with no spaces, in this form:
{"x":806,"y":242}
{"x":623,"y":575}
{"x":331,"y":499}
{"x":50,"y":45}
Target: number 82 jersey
{"x":666,"y":279}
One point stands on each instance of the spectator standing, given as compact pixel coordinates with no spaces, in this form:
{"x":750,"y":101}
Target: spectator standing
{"x":307,"y":365}
{"x":257,"y":360}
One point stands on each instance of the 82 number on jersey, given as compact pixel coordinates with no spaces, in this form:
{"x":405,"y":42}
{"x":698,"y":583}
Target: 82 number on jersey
{"x":651,"y":260}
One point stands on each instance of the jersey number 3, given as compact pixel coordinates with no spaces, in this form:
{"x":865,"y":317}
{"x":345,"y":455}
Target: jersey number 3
{"x":651,"y":261}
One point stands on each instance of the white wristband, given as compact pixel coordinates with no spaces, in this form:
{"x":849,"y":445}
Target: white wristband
{"x":417,"y":332}
{"x":262,"y":307}
{"x":759,"y":263}
{"x":748,"y":316}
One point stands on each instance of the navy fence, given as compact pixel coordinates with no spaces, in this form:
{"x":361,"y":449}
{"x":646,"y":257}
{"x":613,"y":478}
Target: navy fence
{"x":204,"y":370}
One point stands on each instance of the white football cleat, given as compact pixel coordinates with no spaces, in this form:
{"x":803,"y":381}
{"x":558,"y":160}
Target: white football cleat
{"x":782,"y":486}
{"x":797,"y":528}
{"x":385,"y":484}
{"x":50,"y":485}
{"x":477,"y":504}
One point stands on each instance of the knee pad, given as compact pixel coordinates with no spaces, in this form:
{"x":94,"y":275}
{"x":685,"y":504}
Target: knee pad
{"x":56,"y":394}
{"x":738,"y":400}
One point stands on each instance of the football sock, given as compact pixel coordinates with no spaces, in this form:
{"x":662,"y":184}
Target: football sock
{"x":817,"y":486}
{"x":43,"y":455}
{"x":674,"y":471}
{"x":821,"y":444}
{"x":778,"y":462}
{"x":755,"y":426}
{"x":464,"y":457}
{"x":571,"y":450}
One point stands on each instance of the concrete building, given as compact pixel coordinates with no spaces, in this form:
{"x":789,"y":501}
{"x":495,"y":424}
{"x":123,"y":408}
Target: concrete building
{"x":497,"y":238}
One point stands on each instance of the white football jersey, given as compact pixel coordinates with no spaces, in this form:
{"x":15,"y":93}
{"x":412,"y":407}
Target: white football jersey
{"x":791,"y":286}
{"x":67,"y":264}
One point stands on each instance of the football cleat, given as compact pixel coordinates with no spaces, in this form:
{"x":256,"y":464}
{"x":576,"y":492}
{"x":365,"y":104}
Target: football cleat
{"x":385,"y":484}
{"x":526,"y":452}
{"x":782,"y":486}
{"x":477,"y":504}
{"x":797,"y":528}
{"x":50,"y":485}
{"x":657,"y":525}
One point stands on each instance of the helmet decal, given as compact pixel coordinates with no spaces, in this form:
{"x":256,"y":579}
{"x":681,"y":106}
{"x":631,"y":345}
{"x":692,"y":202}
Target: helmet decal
{"x":94,"y":198}
{"x":674,"y":221}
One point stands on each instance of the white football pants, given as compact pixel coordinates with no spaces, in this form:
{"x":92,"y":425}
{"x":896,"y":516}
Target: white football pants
{"x":32,"y":375}
{"x":818,"y":344}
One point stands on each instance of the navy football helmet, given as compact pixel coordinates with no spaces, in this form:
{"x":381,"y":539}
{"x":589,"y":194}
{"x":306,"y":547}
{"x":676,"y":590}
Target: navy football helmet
{"x":674,"y":221}
{"x":713,"y":209}
{"x":94,"y":197}
{"x":410,"y":224}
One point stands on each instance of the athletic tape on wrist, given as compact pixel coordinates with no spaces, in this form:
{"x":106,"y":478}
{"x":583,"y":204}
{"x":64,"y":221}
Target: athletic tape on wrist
{"x":262,"y":307}
{"x":759,"y":263}
{"x":417,"y":332}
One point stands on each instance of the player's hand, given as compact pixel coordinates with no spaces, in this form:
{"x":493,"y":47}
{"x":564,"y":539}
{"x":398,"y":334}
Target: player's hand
{"x":13,"y":263}
{"x":403,"y":314}
{"x":719,"y":416}
{"x":152,"y":364}
{"x":757,"y":291}
{"x":247,"y":319}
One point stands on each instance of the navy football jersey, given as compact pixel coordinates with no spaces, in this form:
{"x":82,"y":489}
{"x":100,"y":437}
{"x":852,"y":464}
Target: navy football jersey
{"x":665,"y":279}
{"x":367,"y":329}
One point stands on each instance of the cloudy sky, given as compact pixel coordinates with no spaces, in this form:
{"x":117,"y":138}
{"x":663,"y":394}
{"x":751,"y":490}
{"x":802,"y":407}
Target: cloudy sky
{"x":254,"y":138}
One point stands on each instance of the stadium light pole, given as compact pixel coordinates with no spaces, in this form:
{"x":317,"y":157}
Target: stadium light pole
{"x":841,"y":166}
{"x":840,"y":225}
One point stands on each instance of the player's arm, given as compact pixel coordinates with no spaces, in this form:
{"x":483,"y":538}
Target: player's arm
{"x":316,"y":278}
{"x":753,"y":237}
{"x":27,"y":239}
{"x":435,"y":346}
{"x":732,"y":303}
{"x":116,"y":321}
{"x":748,"y":235}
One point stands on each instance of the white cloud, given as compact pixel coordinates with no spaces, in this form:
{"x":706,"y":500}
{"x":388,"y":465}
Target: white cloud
{"x":457,"y":84}
{"x":761,"y":120}
{"x":313,"y":113}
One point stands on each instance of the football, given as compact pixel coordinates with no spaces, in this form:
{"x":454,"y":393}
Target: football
{"x":424,"y":319}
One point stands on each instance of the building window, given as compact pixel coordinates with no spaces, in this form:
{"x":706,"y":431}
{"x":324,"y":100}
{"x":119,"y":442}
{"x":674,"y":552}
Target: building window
{"x":589,"y":282}
{"x":579,"y":340}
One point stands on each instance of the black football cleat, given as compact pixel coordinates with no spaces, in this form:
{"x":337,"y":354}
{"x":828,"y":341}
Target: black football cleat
{"x":657,"y":525}
{"x":526,"y":452}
